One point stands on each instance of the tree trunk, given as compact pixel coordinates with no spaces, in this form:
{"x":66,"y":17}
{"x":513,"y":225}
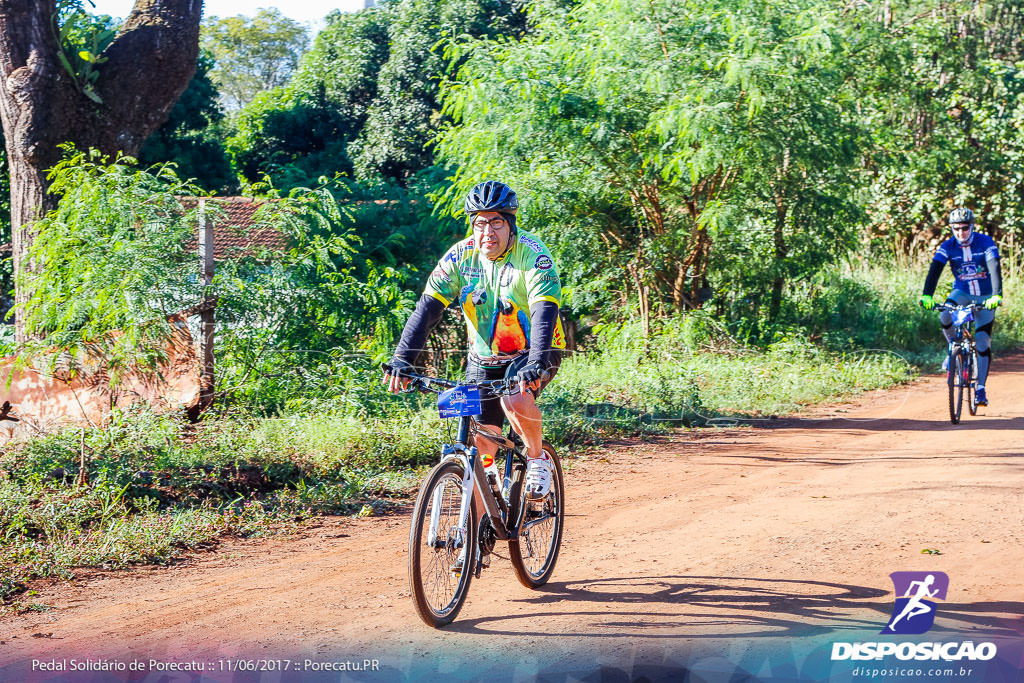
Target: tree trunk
{"x":147,"y":67}
{"x":780,"y":254}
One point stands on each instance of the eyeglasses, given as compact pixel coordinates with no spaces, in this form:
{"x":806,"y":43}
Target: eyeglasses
{"x":495,"y":223}
{"x":961,"y":227}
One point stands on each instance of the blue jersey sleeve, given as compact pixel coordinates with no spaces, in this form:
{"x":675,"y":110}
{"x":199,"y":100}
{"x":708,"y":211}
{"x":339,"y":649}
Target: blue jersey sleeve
{"x":991,"y":249}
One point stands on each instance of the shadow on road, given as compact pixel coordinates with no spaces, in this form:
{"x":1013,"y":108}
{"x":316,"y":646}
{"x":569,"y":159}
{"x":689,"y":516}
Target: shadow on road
{"x":842,"y":458}
{"x":884,"y":424}
{"x":726,"y":607}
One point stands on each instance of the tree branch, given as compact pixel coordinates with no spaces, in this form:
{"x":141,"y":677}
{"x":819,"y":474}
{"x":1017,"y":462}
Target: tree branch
{"x":149,"y":64}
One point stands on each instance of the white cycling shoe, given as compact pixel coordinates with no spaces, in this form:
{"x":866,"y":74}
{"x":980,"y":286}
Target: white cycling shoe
{"x":538,"y":477}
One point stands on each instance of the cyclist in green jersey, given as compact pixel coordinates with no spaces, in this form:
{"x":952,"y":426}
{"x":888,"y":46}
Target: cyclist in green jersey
{"x":505,"y":281}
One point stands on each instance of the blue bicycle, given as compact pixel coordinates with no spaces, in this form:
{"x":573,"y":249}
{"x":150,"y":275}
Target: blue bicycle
{"x":461,"y":511}
{"x":962,"y":363}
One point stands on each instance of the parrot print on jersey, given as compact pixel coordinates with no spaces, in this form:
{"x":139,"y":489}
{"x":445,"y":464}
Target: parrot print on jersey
{"x":510,"y":328}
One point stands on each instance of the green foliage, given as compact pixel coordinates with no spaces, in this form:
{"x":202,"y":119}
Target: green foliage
{"x":303,"y":131}
{"x":289,"y":138}
{"x":192,"y":136}
{"x":402,"y":119}
{"x":117,"y":267}
{"x":364,"y":99}
{"x":285,"y":313}
{"x":82,"y":37}
{"x":660,"y":138}
{"x":940,"y":91}
{"x":252,"y":54}
{"x":115,"y":260}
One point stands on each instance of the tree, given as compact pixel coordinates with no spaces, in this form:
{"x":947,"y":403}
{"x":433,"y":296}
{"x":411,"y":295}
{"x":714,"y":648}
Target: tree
{"x":252,"y":54}
{"x":365,"y":97}
{"x":640,"y":130}
{"x":296,"y":133}
{"x":941,"y":87}
{"x":404,"y":116}
{"x":117,"y":99}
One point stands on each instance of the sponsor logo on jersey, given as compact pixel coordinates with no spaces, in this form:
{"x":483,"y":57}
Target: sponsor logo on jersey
{"x":439,"y":274}
{"x":470,"y":272}
{"x":531,"y":243}
{"x":549,"y":277}
{"x":972,"y":271}
{"x":543,"y":262}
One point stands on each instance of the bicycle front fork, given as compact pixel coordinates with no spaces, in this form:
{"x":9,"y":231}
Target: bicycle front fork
{"x":462,"y":533}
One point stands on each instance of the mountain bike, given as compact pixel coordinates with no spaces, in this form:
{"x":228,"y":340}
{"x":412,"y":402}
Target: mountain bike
{"x":962,"y":375}
{"x":462,"y":512}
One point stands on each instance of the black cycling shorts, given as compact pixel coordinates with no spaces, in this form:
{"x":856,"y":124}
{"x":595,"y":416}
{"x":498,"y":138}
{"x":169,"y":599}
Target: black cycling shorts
{"x":492,"y":413}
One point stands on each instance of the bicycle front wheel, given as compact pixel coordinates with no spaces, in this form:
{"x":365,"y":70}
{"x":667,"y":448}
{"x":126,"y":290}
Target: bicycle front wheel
{"x":534,"y":552}
{"x":441,"y":554}
{"x":955,"y":381}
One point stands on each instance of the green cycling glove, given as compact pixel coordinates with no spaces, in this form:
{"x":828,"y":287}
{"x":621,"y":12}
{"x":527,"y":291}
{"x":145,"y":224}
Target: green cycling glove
{"x":993,"y":301}
{"x":926,"y":302}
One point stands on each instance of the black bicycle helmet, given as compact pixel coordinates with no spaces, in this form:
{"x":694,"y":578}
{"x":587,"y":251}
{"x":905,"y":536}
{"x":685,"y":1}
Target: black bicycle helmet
{"x":491,"y":195}
{"x":961,"y":215}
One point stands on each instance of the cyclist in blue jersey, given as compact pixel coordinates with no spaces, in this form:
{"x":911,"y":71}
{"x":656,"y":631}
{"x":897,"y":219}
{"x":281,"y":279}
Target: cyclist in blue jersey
{"x":977,"y":278}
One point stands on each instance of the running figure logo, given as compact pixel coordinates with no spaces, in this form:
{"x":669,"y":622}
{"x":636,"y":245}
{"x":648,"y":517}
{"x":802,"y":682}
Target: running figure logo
{"x":913,"y":613}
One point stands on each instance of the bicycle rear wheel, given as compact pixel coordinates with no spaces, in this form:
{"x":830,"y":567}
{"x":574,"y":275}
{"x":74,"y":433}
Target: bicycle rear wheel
{"x":441,"y":556}
{"x":534,"y":552}
{"x":955,"y":381}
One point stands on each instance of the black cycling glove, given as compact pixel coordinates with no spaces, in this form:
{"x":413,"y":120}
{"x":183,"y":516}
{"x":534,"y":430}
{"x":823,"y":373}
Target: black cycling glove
{"x":531,"y":372}
{"x":397,"y":366}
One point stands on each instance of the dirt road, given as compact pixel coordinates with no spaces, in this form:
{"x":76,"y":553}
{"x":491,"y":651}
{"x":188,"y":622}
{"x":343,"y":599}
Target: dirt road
{"x":722,"y":552}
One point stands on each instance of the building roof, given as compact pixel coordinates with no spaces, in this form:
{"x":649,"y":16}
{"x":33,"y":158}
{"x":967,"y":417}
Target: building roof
{"x":236,"y":233}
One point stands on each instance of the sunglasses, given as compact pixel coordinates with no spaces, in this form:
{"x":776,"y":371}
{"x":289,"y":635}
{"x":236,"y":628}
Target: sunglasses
{"x":961,"y":227}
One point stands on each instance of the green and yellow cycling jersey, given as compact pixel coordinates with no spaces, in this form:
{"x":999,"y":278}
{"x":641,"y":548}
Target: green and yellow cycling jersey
{"x":496,"y":296}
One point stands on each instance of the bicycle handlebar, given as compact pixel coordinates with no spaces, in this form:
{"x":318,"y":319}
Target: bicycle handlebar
{"x":946,"y":307}
{"x":427,"y":384}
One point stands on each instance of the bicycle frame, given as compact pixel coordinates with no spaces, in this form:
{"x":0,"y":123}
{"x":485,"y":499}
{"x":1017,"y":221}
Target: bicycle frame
{"x":474,"y":476}
{"x":964,"y":334}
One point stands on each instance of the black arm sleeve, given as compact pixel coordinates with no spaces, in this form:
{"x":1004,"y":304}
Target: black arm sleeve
{"x":932,"y":280}
{"x":995,"y":271}
{"x":414,"y":336}
{"x":543,"y":318}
